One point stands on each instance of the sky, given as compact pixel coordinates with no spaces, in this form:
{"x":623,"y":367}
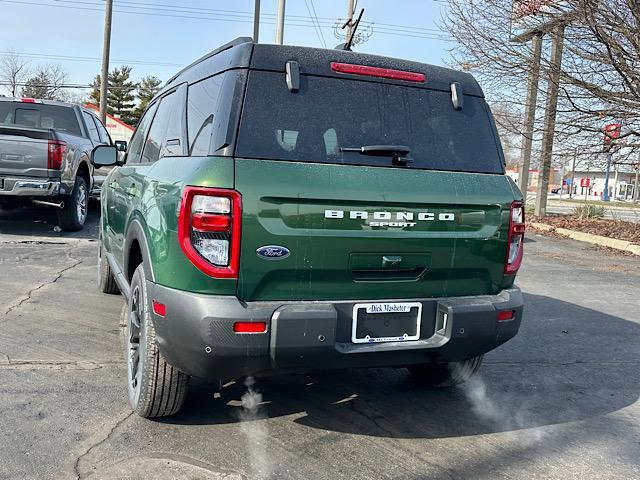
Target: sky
{"x":158,"y":37}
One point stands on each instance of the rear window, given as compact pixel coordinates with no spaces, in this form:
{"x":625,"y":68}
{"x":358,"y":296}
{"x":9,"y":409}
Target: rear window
{"x":328,"y":114}
{"x":32,"y":115}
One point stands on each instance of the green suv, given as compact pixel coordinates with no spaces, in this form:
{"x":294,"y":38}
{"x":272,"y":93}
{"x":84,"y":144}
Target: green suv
{"x":283,"y":208}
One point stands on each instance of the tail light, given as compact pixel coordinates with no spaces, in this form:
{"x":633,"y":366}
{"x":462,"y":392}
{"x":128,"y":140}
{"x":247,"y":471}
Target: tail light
{"x":55,"y":155}
{"x":515,"y":238}
{"x":209,"y":229}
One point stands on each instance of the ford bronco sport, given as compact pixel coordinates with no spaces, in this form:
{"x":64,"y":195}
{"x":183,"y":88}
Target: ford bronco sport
{"x":285,"y":208}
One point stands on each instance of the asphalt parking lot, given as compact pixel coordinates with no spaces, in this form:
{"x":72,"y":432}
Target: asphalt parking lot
{"x":560,"y":401}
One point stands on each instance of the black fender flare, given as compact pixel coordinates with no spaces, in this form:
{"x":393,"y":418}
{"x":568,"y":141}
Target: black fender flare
{"x":136,"y":232}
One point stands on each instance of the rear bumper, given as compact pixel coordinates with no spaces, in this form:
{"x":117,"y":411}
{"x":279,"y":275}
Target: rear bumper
{"x":197,"y":333}
{"x":29,"y":187}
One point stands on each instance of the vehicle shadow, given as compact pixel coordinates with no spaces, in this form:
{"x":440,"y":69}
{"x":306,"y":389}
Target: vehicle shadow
{"x":562,"y":367}
{"x":38,"y":221}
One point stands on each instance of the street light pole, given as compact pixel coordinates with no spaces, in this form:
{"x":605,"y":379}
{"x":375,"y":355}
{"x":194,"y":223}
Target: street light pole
{"x":256,"y":21}
{"x":605,"y":195}
{"x":280,"y":23}
{"x":530,"y":114}
{"x":549,"y":120}
{"x":106,"y":47}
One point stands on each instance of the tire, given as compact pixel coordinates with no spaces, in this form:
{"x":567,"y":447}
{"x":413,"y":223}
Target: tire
{"x":155,"y":388}
{"x":106,"y":280}
{"x":74,"y":213}
{"x":446,"y":374}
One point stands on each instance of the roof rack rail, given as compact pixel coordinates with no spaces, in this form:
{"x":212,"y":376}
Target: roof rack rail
{"x":226,"y":46}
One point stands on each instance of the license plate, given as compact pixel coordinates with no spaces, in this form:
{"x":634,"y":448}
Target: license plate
{"x":386,"y":322}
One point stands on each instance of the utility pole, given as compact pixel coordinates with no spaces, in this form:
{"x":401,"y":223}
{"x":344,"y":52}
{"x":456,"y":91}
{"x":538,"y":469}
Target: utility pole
{"x":280,"y":23}
{"x":573,"y":172}
{"x":349,"y":23}
{"x":605,"y":194}
{"x":256,"y":21}
{"x":555,"y":66}
{"x":106,"y":47}
{"x":636,"y":193}
{"x":530,"y":114}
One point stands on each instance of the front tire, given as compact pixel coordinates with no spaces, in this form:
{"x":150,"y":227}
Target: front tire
{"x":74,"y":213}
{"x":446,"y":374}
{"x":156,"y":389}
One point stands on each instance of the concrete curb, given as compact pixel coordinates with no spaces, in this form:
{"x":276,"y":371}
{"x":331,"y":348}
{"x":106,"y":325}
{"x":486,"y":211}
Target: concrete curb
{"x":623,"y":245}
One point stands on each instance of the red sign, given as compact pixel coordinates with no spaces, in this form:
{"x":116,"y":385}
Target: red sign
{"x":585,"y":182}
{"x":611,"y":132}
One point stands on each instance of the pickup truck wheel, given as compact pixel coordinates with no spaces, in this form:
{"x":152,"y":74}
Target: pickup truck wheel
{"x":106,"y":280}
{"x":74,"y":213}
{"x":446,"y":374}
{"x":156,"y":389}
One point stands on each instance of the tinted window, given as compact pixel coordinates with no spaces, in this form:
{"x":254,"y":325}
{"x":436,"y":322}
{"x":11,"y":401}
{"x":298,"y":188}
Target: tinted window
{"x":104,"y":135}
{"x":137,"y":141}
{"x":34,"y":115}
{"x":328,"y":114}
{"x":202,"y":101}
{"x":158,"y":131}
{"x":91,"y":126}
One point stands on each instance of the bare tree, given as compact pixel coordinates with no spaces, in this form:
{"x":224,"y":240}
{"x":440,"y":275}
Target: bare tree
{"x":47,"y":82}
{"x":14,"y":70}
{"x":600,"y":76}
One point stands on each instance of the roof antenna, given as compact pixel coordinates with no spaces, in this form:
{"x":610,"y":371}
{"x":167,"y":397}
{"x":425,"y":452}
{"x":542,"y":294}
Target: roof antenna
{"x":347,"y":46}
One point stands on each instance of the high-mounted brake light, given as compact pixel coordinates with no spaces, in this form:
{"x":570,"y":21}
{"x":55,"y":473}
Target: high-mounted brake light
{"x":378,"y":72}
{"x":29,"y":100}
{"x":515,"y":238}
{"x":55,"y":154}
{"x":209,"y":229}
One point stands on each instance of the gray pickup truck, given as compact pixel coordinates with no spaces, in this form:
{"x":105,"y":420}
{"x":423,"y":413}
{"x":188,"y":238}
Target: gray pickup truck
{"x":45,"y":148}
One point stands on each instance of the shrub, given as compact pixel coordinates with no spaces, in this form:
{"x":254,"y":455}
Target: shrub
{"x":589,"y":211}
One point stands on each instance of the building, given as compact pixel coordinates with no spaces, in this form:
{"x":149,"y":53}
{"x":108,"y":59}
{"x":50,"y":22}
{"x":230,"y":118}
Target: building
{"x":116,"y":127}
{"x":621,"y":184}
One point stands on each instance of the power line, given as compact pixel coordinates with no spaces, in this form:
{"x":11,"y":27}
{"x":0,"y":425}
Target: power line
{"x":316,"y":24}
{"x":76,"y":58}
{"x":233,"y":16}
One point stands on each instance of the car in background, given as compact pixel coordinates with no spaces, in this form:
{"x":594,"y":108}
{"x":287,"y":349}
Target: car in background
{"x":45,"y":149}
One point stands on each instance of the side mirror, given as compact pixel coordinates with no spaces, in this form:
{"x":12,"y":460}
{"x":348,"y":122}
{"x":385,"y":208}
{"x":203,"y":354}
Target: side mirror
{"x":105,"y":156}
{"x":121,"y":145}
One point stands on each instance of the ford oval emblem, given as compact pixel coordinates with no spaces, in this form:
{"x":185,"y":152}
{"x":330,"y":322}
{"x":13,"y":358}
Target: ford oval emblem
{"x":273,"y":252}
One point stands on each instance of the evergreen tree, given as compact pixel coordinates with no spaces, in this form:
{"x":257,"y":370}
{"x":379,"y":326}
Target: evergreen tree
{"x":94,"y":96}
{"x":121,"y":98}
{"x":147,"y":89}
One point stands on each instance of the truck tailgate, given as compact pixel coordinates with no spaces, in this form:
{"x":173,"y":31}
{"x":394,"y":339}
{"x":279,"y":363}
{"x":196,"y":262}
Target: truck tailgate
{"x":24,"y":151}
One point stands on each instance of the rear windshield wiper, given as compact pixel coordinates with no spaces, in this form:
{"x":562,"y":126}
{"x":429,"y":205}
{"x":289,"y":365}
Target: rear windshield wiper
{"x":399,"y":153}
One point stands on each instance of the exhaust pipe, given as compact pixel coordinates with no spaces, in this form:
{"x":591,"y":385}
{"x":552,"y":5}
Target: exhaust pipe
{"x":49,"y":204}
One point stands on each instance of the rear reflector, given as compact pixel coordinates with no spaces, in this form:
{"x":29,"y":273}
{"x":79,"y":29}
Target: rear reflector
{"x":378,"y":72}
{"x":250,"y":327}
{"x":505,"y":315}
{"x":159,"y":308}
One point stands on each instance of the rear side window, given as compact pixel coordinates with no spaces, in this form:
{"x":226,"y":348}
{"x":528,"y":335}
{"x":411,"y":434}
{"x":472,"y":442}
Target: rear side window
{"x":137,"y":141}
{"x":202,"y":101}
{"x":34,"y":115}
{"x":328,"y":114}
{"x":91,"y":126}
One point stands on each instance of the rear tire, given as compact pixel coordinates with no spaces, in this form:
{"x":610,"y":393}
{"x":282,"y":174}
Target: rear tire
{"x":74,"y":213}
{"x":446,"y":374}
{"x":156,"y":389}
{"x":106,"y":280}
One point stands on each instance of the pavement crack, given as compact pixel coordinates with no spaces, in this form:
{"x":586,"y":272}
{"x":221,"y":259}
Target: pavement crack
{"x":29,"y":294}
{"x":76,"y":464}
